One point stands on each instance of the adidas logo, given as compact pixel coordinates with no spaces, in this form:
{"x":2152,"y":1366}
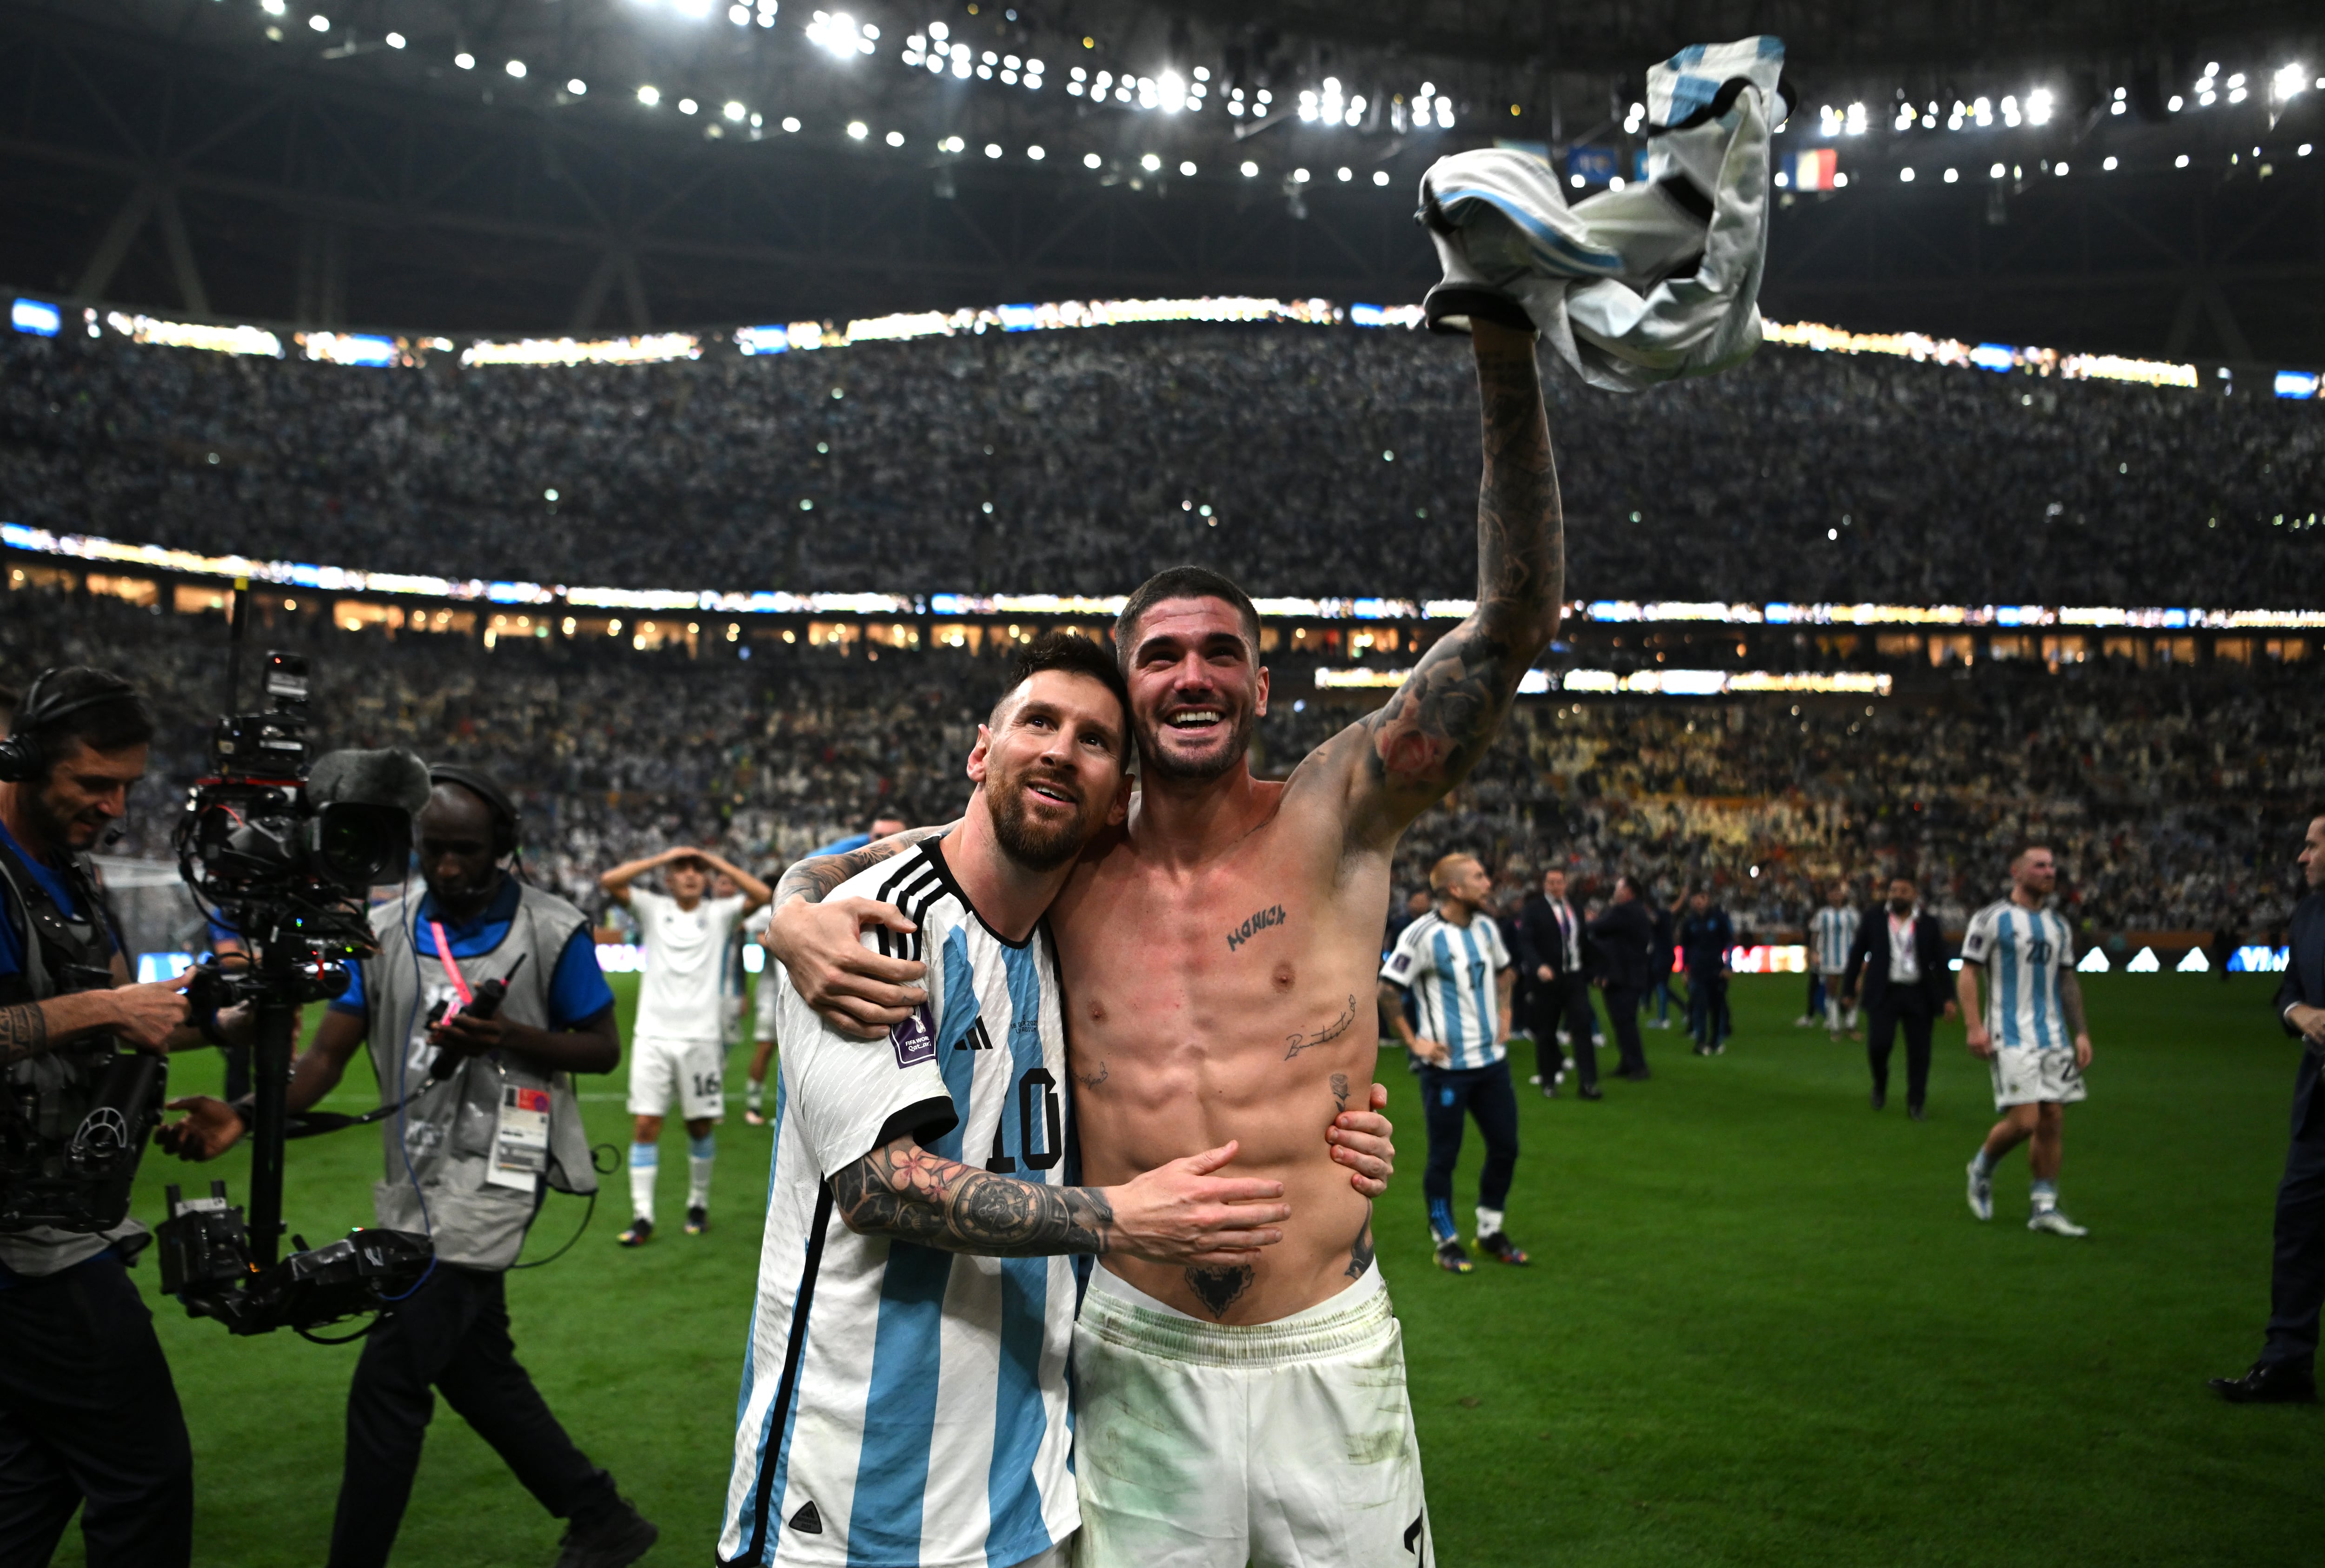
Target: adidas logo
{"x":807,"y":1521}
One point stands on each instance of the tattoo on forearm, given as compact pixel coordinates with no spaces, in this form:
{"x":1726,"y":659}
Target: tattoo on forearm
{"x":1440,"y":722}
{"x":23,"y":1031}
{"x":813,"y":880}
{"x":1259,"y":921}
{"x":1340,"y":1091}
{"x":1092,"y":1080}
{"x":902,"y":1190}
{"x":1219,"y":1288}
{"x":2071,"y":1002}
{"x":1295,"y":1044}
{"x":1360,"y":1250}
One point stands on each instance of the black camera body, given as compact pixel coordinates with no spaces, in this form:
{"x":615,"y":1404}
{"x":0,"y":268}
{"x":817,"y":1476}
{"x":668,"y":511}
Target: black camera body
{"x":206,"y":1263}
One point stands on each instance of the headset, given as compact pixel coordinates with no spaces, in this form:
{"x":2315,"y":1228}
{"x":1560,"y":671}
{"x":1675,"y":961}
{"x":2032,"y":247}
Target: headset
{"x":24,"y":759}
{"x":507,"y":820}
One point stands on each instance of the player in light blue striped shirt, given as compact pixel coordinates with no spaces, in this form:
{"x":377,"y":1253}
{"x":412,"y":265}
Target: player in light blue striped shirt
{"x":2031,"y":1030}
{"x":1458,"y":970}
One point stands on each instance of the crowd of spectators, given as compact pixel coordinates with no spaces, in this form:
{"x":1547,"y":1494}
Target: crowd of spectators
{"x":1302,"y":460}
{"x":2174,"y":797}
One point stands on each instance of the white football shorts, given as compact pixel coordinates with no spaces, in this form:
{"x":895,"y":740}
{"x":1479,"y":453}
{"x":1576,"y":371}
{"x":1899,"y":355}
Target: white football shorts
{"x":2025,"y":1076}
{"x":1213,"y":1445}
{"x":691,"y":1072}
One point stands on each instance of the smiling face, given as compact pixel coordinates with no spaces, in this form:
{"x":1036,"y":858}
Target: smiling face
{"x":86,"y":792}
{"x":1196,"y":688}
{"x":1050,"y":768}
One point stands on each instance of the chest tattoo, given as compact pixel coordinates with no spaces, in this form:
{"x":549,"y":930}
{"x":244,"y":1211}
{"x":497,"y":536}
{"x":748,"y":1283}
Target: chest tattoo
{"x":1295,"y":1044}
{"x":1260,"y":921}
{"x":1092,"y":1080}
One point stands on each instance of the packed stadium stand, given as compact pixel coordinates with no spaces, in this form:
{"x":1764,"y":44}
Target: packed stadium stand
{"x":1300,"y":460}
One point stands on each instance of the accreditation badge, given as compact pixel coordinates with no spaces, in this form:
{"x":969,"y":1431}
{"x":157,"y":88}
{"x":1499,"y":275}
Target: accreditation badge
{"x":521,"y":1142}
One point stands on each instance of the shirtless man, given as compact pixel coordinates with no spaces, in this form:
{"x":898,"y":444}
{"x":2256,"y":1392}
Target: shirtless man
{"x":1218,"y":952}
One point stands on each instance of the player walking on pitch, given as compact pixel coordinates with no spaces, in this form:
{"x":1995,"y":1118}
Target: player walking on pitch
{"x":1215,"y":948}
{"x":677,"y":1043}
{"x":2031,"y":1031}
{"x":1832,"y":932}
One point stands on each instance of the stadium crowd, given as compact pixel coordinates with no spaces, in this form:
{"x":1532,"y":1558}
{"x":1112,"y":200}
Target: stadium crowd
{"x":2165,"y":791}
{"x":1301,"y":460}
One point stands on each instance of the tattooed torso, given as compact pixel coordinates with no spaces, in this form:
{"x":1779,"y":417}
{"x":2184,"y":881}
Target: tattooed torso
{"x":1234,"y":1003}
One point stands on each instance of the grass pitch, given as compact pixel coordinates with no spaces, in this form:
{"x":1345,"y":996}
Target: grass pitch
{"x":1761,"y":1325}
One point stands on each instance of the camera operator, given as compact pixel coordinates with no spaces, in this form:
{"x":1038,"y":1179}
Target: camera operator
{"x":89,"y":1417}
{"x":463,"y":1167}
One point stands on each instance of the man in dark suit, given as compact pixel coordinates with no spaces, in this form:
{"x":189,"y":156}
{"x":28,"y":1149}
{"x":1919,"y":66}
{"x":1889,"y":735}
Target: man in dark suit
{"x":2286,"y":1373}
{"x":1899,"y":965}
{"x":1622,"y":946}
{"x":1549,"y":956}
{"x":1704,"y":937}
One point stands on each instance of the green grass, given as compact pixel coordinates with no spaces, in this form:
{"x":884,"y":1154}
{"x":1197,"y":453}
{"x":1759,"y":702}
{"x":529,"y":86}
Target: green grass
{"x":1760,"y":1326}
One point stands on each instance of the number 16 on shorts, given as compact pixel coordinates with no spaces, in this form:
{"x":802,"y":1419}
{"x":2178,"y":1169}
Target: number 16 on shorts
{"x":692,"y":1073}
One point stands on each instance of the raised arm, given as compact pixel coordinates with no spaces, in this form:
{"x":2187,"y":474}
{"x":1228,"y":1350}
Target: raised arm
{"x":615,"y":884}
{"x":756,"y":894}
{"x":1177,"y":1214}
{"x":1442,"y":720}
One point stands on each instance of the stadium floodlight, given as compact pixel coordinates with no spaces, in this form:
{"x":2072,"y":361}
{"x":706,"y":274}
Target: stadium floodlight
{"x":2038,"y":106}
{"x":1346,"y":174}
{"x":649,"y":96}
{"x":1171,"y":92}
{"x":1614,"y":181}
{"x":1577,"y":181}
{"x":2290,"y":80}
{"x":1982,"y":111}
{"x":1952,"y":175}
{"x":1839,"y":183}
{"x":740,"y":15}
{"x":465,"y":60}
{"x":1250,"y":170}
{"x":577,"y":87}
{"x":2059,"y":169}
{"x":1996,"y":172}
{"x":857,"y":130}
{"x":734,"y":111}
{"x":1854,"y":123}
{"x":790,"y":125}
{"x":1187,"y":169}
{"x":2181,"y":162}
{"x":835,"y":32}
{"x":2303,"y":151}
{"x":1380,"y":177}
{"x":320,"y":23}
{"x":394,"y":41}
{"x":1092,"y":160}
{"x":1905,"y":175}
{"x":1035,"y":154}
{"x":894,"y":138}
{"x":1300,"y":176}
{"x":993,"y":148}
{"x":939,"y":32}
{"x":272,"y":7}
{"x":1151,"y":163}
{"x":687,"y":105}
{"x":516,"y":69}
{"x":2108,"y":163}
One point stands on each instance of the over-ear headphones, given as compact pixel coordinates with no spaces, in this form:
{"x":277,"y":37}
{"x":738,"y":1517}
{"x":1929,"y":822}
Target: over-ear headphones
{"x":23,"y":758}
{"x":506,"y":818}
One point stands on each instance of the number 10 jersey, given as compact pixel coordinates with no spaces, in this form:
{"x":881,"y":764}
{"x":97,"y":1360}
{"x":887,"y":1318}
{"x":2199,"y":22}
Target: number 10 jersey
{"x":901,"y":1405}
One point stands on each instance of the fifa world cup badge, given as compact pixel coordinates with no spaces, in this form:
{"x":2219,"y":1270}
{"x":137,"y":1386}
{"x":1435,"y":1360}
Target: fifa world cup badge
{"x":915,"y":1039}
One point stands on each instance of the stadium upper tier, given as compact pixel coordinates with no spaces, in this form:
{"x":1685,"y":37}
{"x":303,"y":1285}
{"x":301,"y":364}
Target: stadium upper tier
{"x":1300,"y":460}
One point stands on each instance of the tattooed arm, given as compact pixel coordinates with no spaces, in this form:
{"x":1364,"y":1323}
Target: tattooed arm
{"x":2070,"y":1006}
{"x":1405,"y":757}
{"x":857,"y":990}
{"x":1177,"y":1214}
{"x":144,"y":1015}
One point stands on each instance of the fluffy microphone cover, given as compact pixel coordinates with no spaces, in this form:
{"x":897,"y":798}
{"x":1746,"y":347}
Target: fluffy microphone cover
{"x":392,"y":777}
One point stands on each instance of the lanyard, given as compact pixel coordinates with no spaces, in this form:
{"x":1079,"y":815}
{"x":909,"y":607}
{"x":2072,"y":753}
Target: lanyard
{"x":450,"y":963}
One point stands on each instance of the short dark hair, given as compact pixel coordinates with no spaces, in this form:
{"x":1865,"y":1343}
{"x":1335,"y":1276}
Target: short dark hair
{"x":1189,"y":582}
{"x":1069,"y":654}
{"x":114,"y":714}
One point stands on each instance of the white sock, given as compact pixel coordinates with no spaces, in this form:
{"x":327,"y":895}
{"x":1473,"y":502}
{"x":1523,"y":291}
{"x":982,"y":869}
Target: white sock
{"x":645,"y":1164}
{"x":754,"y":1092}
{"x":1489,"y":1221}
{"x":1832,"y":1014}
{"x":700,"y":1153}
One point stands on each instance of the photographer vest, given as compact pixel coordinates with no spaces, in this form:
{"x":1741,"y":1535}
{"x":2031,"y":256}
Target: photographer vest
{"x":47,"y":1096}
{"x":452,"y":1132}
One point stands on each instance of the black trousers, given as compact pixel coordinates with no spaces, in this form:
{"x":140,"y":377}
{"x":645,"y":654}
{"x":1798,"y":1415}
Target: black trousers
{"x":452,"y":1335}
{"x":1623,"y":1022}
{"x":1707,"y":1007}
{"x":1906,"y":1006}
{"x":2297,"y":1281}
{"x":1448,"y":1097}
{"x":1565,"y":1001}
{"x":89,"y":1420}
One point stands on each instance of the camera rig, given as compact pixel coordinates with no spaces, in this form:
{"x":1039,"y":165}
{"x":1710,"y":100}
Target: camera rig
{"x":284,"y":855}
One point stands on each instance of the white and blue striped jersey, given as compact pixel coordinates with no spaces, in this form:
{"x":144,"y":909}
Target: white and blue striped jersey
{"x":1450,"y":971}
{"x":2024,"y":951}
{"x":903,"y":1407}
{"x":1834,"y":932}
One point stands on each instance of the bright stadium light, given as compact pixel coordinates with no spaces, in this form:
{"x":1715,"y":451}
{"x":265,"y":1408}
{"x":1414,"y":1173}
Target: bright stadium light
{"x":740,"y":15}
{"x":2038,"y":106}
{"x":1151,"y":163}
{"x":1250,"y":170}
{"x":649,"y":96}
{"x":1380,"y":177}
{"x":1171,"y":92}
{"x":1035,"y":154}
{"x":2181,"y":162}
{"x":1092,"y":160}
{"x":1346,"y":173}
{"x":734,"y":111}
{"x":396,"y":40}
{"x":1952,"y":175}
{"x":993,"y":148}
{"x":1187,"y":169}
{"x":320,"y":23}
{"x":857,"y":130}
{"x":1906,"y":175}
{"x":790,"y":125}
{"x":687,"y":105}
{"x":272,"y":7}
{"x":894,"y":138}
{"x":2108,"y":164}
{"x":577,"y":87}
{"x":465,"y":60}
{"x":2289,"y":79}
{"x":515,"y":67}
{"x":1300,"y":176}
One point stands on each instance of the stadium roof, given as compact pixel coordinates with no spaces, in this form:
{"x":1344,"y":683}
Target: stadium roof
{"x":504,"y":166}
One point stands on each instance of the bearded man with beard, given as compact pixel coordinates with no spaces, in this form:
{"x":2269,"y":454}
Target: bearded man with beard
{"x":1219,"y":947}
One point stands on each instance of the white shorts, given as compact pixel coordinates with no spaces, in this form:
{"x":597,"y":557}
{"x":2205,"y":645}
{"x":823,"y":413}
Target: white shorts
{"x":2031,"y":1078}
{"x":689,"y":1071}
{"x":1210,"y":1445}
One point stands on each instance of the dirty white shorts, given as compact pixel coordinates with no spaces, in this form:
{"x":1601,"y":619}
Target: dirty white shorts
{"x":1283,"y":1444}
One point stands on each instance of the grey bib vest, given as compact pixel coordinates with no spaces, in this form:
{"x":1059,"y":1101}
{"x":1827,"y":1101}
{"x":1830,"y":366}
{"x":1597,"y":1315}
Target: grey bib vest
{"x":448,"y":1134}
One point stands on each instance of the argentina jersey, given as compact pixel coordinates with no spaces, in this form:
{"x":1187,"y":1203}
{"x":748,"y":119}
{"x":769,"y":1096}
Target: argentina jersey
{"x":904,"y":1407}
{"x":2023,"y":951}
{"x":1836,"y":934}
{"x":1450,"y":971}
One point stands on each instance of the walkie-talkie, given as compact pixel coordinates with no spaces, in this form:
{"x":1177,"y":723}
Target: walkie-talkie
{"x":485,"y":1003}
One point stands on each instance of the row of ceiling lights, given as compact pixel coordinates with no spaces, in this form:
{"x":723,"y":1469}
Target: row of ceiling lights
{"x":2286,"y":83}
